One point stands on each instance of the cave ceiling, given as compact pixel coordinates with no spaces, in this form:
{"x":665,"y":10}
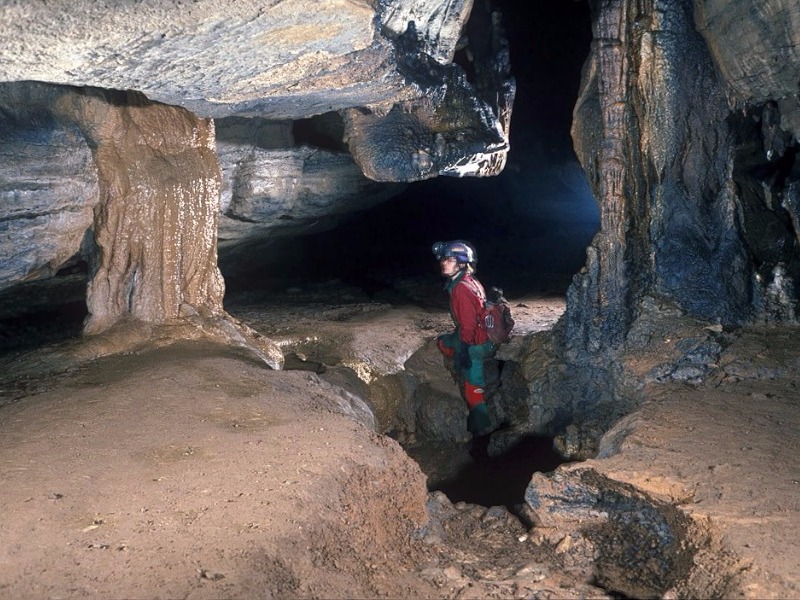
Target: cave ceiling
{"x":318,"y":113}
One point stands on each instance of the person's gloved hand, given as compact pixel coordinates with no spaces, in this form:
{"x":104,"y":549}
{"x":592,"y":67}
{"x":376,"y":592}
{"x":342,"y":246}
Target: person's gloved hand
{"x":444,"y":348}
{"x":463,"y":360}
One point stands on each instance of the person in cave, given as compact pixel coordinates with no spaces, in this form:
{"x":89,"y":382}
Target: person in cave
{"x":468,"y":352}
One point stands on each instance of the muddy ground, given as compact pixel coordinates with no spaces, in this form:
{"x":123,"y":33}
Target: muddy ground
{"x":194,"y":471}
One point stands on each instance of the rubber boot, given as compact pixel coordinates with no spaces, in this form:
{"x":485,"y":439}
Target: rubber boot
{"x":478,"y":422}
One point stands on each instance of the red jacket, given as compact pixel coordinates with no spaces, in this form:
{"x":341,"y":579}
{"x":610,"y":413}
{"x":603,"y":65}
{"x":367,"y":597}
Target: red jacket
{"x":466,"y":307}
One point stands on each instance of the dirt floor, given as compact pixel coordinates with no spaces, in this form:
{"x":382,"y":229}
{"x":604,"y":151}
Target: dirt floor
{"x":194,"y":471}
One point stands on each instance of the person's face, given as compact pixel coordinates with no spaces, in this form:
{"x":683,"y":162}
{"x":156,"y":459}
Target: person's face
{"x":449,"y":266}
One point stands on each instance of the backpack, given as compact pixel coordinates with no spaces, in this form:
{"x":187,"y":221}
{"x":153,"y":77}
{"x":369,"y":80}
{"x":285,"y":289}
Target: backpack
{"x":497,"y":319}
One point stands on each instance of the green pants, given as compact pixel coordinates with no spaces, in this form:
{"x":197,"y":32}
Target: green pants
{"x":471,"y":377}
{"x":475,"y":373}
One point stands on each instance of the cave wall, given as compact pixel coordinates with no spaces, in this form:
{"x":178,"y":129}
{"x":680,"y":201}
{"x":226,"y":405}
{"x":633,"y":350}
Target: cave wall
{"x":658,"y":129}
{"x":686,"y":126}
{"x":49,"y":189}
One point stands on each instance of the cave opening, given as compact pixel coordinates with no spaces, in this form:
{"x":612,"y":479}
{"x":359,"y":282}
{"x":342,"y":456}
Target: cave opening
{"x":44,"y":311}
{"x":495,"y":481}
{"x":321,"y":131}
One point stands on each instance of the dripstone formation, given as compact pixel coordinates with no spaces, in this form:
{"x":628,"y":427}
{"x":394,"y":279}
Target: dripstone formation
{"x":688,"y":136}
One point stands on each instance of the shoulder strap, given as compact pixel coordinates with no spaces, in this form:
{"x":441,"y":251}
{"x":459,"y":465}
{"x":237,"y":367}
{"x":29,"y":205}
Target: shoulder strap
{"x":475,"y":286}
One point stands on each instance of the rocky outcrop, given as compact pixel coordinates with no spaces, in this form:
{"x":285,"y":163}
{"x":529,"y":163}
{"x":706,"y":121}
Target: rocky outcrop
{"x":48,"y":189}
{"x":282,"y":61}
{"x":277,"y":60}
{"x":452,"y":127}
{"x":760,"y":62}
{"x":671,"y":161}
{"x":146,"y":209}
{"x":678,"y":502}
{"x":278,"y":182}
{"x":641,"y":543}
{"x":688,"y":137}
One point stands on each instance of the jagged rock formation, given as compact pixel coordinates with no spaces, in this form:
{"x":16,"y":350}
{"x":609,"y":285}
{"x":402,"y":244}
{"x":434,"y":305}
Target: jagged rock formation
{"x":453,"y":128}
{"x":663,"y":130}
{"x":688,"y":136}
{"x":147,"y":204}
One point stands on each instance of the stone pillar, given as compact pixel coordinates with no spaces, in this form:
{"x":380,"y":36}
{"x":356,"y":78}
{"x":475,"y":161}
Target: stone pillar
{"x":600,"y":293}
{"x":155,"y":227}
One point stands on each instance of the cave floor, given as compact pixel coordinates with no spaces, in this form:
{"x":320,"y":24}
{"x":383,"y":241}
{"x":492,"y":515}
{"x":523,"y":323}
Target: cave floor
{"x":194,"y":471}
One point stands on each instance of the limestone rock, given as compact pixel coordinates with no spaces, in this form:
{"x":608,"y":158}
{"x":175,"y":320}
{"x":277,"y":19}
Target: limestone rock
{"x":453,"y":126}
{"x":439,"y":24}
{"x":274,"y":63}
{"x":48,"y":190}
{"x":640,"y":543}
{"x":275,"y":59}
{"x":156,"y":227}
{"x":690,"y":166}
{"x":686,"y":125}
{"x":290,"y":191}
{"x":761,"y":62}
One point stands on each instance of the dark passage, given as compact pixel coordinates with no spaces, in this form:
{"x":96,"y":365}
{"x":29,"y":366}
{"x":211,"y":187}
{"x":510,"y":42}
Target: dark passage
{"x":37,"y":313}
{"x":531,"y":224}
{"x":496,"y":481}
{"x":501,"y":481}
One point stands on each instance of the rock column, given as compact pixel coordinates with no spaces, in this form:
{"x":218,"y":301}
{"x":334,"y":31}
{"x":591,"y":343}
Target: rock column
{"x":602,"y":290}
{"x":155,"y":226}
